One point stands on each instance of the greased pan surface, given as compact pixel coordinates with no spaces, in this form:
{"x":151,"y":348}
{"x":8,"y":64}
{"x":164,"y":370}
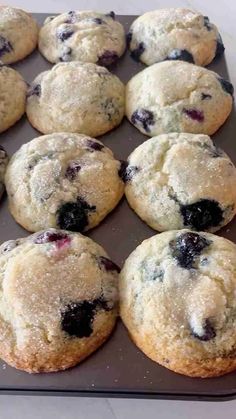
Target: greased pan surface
{"x":118,"y":368}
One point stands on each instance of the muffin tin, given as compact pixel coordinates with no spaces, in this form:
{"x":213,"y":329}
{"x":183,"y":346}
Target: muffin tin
{"x":118,"y":368}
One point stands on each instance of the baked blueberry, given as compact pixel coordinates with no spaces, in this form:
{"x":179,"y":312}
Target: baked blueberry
{"x":107,"y":58}
{"x":129,"y":38}
{"x":74,"y":215}
{"x":64,"y":33}
{"x":94,"y":145}
{"x":72,"y":170}
{"x":50,"y":237}
{"x":205,"y":96}
{"x":180,"y":54}
{"x":219,"y":47}
{"x":226,"y":86}
{"x":71,"y":17}
{"x":9,"y":245}
{"x":209,"y":332}
{"x":5,"y":46}
{"x":194,"y":114}
{"x":111,"y":14}
{"x":143,"y":117}
{"x":186,"y":247}
{"x":98,"y":20}
{"x":108,"y":264}
{"x":77,"y":319}
{"x":202,"y":215}
{"x":66,"y":56}
{"x":137,"y":52}
{"x":35,"y":89}
{"x":207,"y":23}
{"x":127,"y":172}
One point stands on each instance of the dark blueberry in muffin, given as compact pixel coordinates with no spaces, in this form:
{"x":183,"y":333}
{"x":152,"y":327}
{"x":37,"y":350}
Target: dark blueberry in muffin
{"x":98,"y":20}
{"x":214,"y":151}
{"x":10,"y":245}
{"x":77,"y":319}
{"x":226,"y":86}
{"x":94,"y":146}
{"x":64,"y":33}
{"x":71,"y":17}
{"x":108,"y":264}
{"x":186,"y":247}
{"x":194,"y":114}
{"x":207,"y":23}
{"x":127,"y":172}
{"x":180,"y":54}
{"x":72,"y":170}
{"x":202,"y":215}
{"x":34,"y":90}
{"x":111,"y":14}
{"x":143,"y":117}
{"x":66,"y":56}
{"x":107,"y":58}
{"x":205,"y":96}
{"x":74,"y":215}
{"x":136,"y":53}
{"x":5,"y":46}
{"x":51,"y":236}
{"x":129,"y":38}
{"x":208,"y":332}
{"x":219,"y":47}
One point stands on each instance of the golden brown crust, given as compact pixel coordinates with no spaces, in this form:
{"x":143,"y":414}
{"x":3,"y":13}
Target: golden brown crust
{"x":204,"y":368}
{"x":68,"y":356}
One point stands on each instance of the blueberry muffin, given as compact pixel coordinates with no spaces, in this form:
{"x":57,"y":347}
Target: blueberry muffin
{"x":76,"y":97}
{"x":85,"y":36}
{"x":63,"y":180}
{"x":174,"y":34}
{"x":12,"y":97}
{"x":3,"y":165}
{"x":58,"y":300}
{"x":178,"y":301}
{"x":175,"y":96}
{"x":18,"y":34}
{"x":176,"y":181}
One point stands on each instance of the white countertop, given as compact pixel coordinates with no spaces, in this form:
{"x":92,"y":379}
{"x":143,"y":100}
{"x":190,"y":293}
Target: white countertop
{"x":223,"y":14}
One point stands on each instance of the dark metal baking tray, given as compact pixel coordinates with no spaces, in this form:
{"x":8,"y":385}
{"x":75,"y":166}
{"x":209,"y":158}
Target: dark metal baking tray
{"x":118,"y":368}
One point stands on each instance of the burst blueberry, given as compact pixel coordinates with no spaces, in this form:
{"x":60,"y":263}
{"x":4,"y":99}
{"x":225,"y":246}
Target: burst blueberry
{"x":219,"y":47}
{"x":77,"y":318}
{"x":64,"y":33}
{"x":205,"y":96}
{"x":202,"y":215}
{"x":5,"y":46}
{"x":226,"y":86}
{"x":74,"y":215}
{"x":34,"y":90}
{"x":111,"y":14}
{"x":94,"y":146}
{"x":187,"y":247}
{"x":180,"y":54}
{"x":107,"y":58}
{"x":49,"y":237}
{"x":126,"y":172}
{"x":72,"y":170}
{"x":143,"y":117}
{"x":194,"y":114}
{"x":137,"y":52}
{"x":207,"y":23}
{"x":108,"y":264}
{"x":129,"y":38}
{"x":98,"y":20}
{"x":209,"y":332}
